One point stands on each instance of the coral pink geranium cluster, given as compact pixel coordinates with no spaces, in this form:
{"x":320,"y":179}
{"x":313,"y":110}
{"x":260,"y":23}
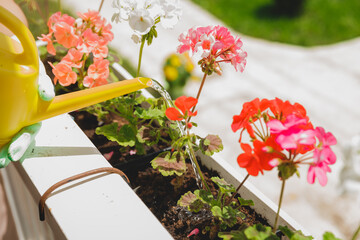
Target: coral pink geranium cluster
{"x":214,"y":44}
{"x":89,"y":34}
{"x":283,"y":136}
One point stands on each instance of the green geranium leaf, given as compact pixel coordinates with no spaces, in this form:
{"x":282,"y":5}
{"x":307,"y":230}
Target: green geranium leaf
{"x":110,"y":131}
{"x":170,"y":164}
{"x":191,"y":202}
{"x":216,"y":211}
{"x":329,"y":236}
{"x":140,"y":148}
{"x":227,"y":215}
{"x":211,"y":144}
{"x":223,"y":185}
{"x":139,"y":98}
{"x":148,"y":135}
{"x":244,"y":202}
{"x":150,"y":113}
{"x":124,"y":137}
{"x":143,"y":134}
{"x":260,"y":232}
{"x":206,"y":197}
{"x":233,"y":235}
{"x":297,"y":235}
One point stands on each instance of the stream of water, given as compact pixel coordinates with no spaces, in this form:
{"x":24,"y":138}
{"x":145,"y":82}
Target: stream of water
{"x":167,"y":98}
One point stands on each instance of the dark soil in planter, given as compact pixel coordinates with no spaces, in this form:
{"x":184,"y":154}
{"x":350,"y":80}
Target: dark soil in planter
{"x":159,"y":195}
{"x":157,"y":191}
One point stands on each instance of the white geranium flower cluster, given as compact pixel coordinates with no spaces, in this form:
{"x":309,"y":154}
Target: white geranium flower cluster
{"x":142,"y":15}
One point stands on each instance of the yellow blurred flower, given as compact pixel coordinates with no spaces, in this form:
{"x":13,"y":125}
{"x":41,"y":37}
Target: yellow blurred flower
{"x":189,"y":66}
{"x":171,"y":73}
{"x":175,"y":60}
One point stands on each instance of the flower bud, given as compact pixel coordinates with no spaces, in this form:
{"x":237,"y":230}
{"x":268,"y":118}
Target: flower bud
{"x":217,"y":69}
{"x":274,"y":162}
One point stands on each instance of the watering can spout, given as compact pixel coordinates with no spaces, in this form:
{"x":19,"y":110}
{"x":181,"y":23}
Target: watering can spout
{"x":76,"y":100}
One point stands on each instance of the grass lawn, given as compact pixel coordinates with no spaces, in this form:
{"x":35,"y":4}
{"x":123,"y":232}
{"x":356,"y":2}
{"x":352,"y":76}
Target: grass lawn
{"x":321,"y":21}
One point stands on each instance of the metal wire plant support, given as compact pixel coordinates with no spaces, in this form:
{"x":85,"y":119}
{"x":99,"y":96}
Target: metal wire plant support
{"x":48,"y":192}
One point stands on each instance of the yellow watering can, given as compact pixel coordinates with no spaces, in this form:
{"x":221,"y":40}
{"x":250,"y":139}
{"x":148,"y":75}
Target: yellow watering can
{"x":20,"y":104}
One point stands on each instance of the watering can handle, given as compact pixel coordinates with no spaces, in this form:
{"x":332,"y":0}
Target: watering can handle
{"x":29,"y":55}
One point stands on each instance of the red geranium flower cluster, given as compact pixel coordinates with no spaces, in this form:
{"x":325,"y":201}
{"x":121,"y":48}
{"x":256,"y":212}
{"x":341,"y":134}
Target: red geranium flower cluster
{"x":282,"y":135}
{"x":214,"y":44}
{"x":88,"y":34}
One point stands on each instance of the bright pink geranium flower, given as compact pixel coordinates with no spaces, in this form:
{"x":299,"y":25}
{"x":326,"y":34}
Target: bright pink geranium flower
{"x":290,"y":134}
{"x":326,"y":139}
{"x":64,"y":74}
{"x":320,"y":166}
{"x":184,"y":104}
{"x":215,"y":45}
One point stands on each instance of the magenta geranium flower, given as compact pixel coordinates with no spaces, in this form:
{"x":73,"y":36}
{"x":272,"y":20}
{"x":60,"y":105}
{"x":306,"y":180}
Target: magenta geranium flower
{"x":320,"y":167}
{"x":291,"y":133}
{"x":326,"y":139}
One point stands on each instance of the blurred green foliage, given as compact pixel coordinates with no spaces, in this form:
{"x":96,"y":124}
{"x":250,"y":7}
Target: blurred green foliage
{"x":318,"y":22}
{"x":38,"y":12}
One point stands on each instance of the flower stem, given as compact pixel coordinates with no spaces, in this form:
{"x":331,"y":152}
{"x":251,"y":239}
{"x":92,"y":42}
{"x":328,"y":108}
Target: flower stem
{"x":356,"y":233}
{"x":237,"y":189}
{"x":101,"y":4}
{"x":193,"y":156}
{"x":280,"y":201}
{"x":140,"y":56}
{"x":198,"y":94}
{"x":201,"y":86}
{"x":138,"y":71}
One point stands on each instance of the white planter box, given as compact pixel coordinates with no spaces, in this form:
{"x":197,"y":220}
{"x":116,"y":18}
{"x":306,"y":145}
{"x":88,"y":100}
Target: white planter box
{"x":99,"y":207}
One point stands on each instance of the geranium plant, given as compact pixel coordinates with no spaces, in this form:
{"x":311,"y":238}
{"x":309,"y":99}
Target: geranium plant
{"x":212,"y":45}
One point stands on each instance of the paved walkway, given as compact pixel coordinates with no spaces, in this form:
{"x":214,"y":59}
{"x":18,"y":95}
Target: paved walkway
{"x":326,"y":80}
